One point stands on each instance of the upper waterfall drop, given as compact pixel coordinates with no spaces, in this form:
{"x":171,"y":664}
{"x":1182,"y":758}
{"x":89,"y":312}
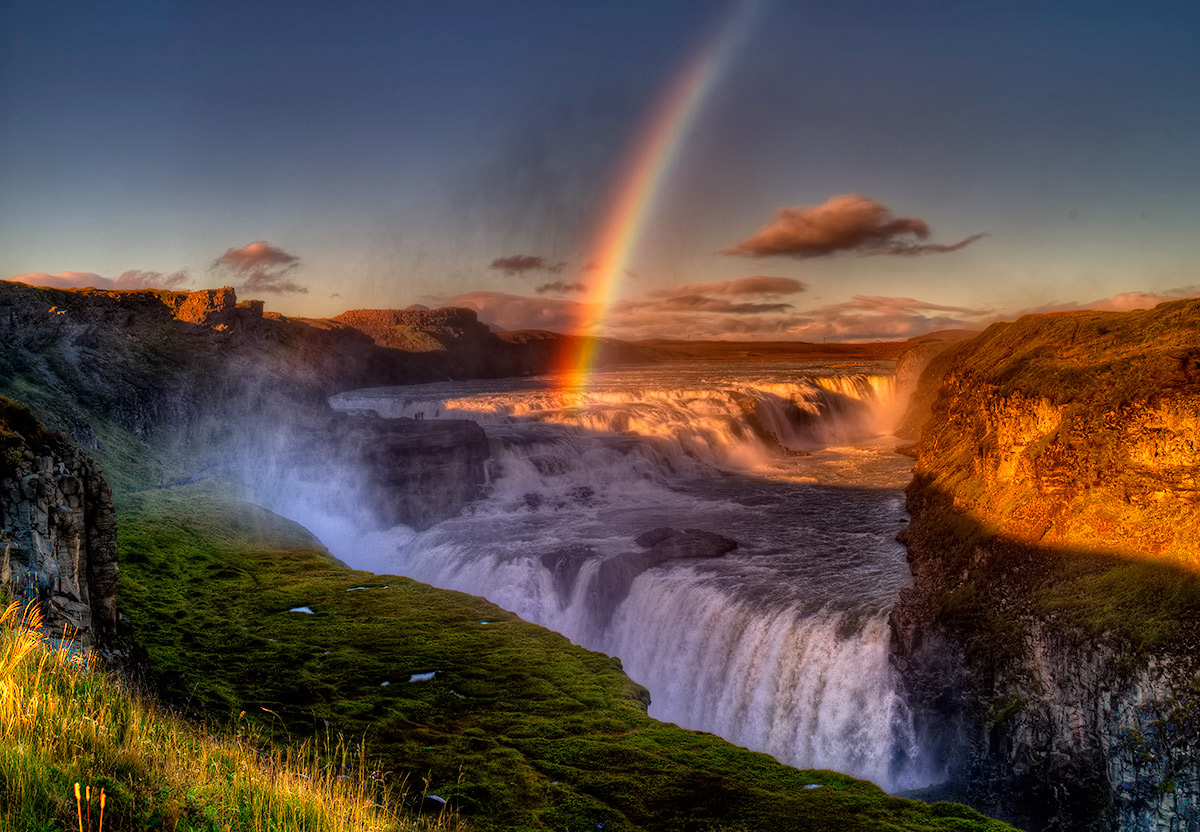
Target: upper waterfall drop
{"x":737,"y":421}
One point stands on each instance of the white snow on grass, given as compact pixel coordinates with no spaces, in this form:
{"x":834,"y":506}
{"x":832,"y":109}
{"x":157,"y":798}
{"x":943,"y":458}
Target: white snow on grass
{"x":302,"y":609}
{"x":422,"y":677}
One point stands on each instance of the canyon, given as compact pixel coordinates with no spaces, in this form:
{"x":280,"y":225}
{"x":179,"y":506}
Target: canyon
{"x":513,"y":724}
{"x":1046,"y":648}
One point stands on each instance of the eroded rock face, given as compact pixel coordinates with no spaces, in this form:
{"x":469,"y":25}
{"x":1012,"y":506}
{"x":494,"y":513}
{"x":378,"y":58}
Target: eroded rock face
{"x":401,"y":471}
{"x":207,"y":307}
{"x":58,"y":539}
{"x":1056,"y":452}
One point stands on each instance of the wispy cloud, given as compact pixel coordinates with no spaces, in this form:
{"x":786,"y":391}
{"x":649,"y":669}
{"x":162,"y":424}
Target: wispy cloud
{"x":520,"y":312}
{"x":848,"y":223}
{"x":558,"y":287}
{"x":699,"y":303}
{"x":132,"y":279}
{"x":261,"y":267}
{"x":861,"y":318}
{"x":758,"y":285}
{"x":519,"y":265}
{"x":868,"y":317}
{"x":1123,"y":302}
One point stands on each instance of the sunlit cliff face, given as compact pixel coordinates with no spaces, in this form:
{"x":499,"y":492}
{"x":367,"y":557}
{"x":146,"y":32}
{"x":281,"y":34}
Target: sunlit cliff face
{"x":1085,"y":435}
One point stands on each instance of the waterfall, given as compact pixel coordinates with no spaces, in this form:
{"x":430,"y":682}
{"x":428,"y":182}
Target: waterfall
{"x":727,"y":423}
{"x":781,"y":645}
{"x":811,"y":688}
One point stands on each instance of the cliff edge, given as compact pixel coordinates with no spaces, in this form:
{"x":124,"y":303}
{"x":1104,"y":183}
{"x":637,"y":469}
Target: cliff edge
{"x":58,"y":534}
{"x":1049,"y":642}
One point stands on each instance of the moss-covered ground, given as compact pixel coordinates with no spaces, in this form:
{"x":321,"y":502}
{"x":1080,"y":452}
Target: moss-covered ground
{"x":517,"y":727}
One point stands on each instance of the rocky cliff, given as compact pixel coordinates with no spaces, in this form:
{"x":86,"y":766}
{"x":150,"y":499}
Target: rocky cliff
{"x":208,"y":379}
{"x":1049,"y":644}
{"x":58,"y":540}
{"x":146,"y":358}
{"x":386,"y":471}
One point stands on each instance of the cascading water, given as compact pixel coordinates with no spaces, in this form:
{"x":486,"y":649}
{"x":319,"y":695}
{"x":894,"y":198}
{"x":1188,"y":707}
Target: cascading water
{"x":780,"y":645}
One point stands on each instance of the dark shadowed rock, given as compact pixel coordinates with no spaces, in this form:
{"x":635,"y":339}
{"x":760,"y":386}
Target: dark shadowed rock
{"x":667,"y":544}
{"x":616,"y":575}
{"x":564,"y":565}
{"x":415,"y":473}
{"x":58,"y":537}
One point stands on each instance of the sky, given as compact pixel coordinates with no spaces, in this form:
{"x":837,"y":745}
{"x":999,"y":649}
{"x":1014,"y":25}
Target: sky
{"x":758,"y":169}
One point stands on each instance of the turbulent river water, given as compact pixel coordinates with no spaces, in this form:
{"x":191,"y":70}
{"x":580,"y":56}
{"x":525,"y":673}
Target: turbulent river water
{"x":781,"y":645}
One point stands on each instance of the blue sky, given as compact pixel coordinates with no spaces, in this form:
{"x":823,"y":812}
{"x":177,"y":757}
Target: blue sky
{"x":395,"y":150}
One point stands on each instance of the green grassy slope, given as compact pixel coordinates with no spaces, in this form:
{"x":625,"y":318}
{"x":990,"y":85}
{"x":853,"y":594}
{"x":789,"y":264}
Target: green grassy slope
{"x":518,"y":728}
{"x":66,"y":725}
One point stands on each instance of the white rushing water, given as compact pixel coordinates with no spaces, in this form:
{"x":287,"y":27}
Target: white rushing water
{"x":780,"y":645}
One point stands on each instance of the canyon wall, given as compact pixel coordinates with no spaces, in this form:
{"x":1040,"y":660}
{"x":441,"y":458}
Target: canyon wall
{"x":149,"y":358}
{"x":216,"y":385}
{"x":1049,"y":644}
{"x":170,"y":387}
{"x":394,"y":471}
{"x":58,"y":539}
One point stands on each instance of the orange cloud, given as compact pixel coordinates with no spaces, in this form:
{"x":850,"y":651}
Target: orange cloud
{"x":1123,"y":302}
{"x":127,"y":280}
{"x":847,"y":223}
{"x":261,"y":267}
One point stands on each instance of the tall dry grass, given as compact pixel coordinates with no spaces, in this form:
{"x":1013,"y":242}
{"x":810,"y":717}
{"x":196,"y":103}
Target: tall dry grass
{"x":64,"y":721}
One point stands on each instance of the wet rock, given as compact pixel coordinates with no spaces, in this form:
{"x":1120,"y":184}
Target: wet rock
{"x":564,"y":565}
{"x":415,"y":473}
{"x":616,"y":575}
{"x":432,"y":804}
{"x":667,"y":544}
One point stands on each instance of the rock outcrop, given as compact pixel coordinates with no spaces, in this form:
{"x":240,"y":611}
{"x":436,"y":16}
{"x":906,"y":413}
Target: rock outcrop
{"x":1049,"y":643}
{"x":658,"y":546}
{"x":58,"y":540}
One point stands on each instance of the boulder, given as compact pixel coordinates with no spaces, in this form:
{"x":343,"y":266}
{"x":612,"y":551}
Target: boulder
{"x":666,"y":543}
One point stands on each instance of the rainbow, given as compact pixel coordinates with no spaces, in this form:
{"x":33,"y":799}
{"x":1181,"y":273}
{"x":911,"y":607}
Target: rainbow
{"x":641,"y":182}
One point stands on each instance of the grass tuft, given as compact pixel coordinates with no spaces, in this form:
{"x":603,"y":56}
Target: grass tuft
{"x":68,"y":729}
